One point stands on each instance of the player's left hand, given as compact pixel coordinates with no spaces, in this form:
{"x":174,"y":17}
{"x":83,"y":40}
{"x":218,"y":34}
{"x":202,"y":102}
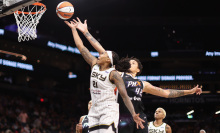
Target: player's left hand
{"x":138,"y":121}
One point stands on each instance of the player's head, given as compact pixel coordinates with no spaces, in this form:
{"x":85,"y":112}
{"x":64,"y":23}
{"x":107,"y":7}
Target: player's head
{"x":89,"y":104}
{"x":108,"y":57}
{"x":202,"y":131}
{"x":130,"y":65}
{"x":160,"y":113}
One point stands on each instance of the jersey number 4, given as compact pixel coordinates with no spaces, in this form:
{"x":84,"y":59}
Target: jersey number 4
{"x":138,"y":91}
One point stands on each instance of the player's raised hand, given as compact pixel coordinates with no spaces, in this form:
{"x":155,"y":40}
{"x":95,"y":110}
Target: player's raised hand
{"x":138,"y":121}
{"x":81,"y":26}
{"x":71,"y":24}
{"x":197,"y":90}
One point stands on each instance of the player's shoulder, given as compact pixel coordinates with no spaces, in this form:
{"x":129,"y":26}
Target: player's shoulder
{"x":114,"y":72}
{"x":167,"y":126}
{"x":146,"y":84}
{"x":121,"y":73}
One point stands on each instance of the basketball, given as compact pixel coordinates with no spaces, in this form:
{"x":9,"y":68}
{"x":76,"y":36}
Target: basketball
{"x":65,"y":10}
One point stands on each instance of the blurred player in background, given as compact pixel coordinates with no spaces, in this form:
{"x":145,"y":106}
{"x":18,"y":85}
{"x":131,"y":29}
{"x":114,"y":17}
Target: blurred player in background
{"x":202,"y":131}
{"x":158,"y":126}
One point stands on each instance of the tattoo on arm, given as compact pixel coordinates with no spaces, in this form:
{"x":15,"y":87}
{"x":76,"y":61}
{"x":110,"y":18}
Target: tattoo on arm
{"x":175,"y":93}
{"x":89,"y":58}
{"x":88,"y":35}
{"x":168,"y":129}
{"x":158,"y":89}
{"x":122,"y":90}
{"x":117,"y":80}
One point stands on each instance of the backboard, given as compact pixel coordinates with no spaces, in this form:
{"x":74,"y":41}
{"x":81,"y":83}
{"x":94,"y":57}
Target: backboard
{"x":8,"y":7}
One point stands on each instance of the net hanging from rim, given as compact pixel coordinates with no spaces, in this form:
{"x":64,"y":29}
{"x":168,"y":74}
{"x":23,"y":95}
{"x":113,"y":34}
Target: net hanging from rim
{"x":27,"y":19}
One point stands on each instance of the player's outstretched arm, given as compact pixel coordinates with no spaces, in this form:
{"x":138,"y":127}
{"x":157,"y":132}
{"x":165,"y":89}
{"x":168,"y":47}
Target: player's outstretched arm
{"x":89,"y":58}
{"x":168,"y":129}
{"x":84,"y":29}
{"x":169,"y":93}
{"x":116,"y":78}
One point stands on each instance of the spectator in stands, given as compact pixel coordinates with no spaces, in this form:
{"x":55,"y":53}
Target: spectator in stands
{"x":23,"y":118}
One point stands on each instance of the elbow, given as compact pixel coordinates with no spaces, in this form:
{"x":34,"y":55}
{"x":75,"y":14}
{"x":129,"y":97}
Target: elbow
{"x":167,"y":94}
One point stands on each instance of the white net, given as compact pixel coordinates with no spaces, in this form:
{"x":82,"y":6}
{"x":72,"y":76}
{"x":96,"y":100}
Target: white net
{"x":27,"y":19}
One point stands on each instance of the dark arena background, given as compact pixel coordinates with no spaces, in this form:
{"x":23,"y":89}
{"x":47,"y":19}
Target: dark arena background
{"x":176,"y":41}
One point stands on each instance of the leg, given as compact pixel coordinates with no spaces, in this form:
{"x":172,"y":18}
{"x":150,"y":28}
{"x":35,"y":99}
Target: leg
{"x":93,"y":120}
{"x":94,"y":131}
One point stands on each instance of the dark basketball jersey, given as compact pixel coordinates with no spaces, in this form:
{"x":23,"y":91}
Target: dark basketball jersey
{"x":134,"y":89}
{"x":85,"y":125}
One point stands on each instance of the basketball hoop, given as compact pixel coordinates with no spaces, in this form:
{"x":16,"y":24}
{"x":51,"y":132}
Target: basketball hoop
{"x":27,"y":19}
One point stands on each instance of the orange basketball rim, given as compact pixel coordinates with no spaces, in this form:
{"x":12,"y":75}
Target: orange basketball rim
{"x":34,"y":4}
